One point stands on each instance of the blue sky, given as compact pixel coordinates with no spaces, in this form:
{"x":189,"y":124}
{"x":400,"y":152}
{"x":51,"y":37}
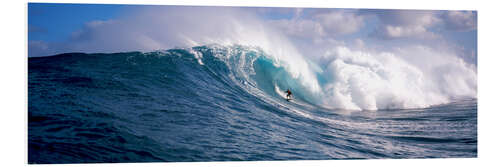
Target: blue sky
{"x":365,"y":56}
{"x":60,"y":28}
{"x":55,"y":22}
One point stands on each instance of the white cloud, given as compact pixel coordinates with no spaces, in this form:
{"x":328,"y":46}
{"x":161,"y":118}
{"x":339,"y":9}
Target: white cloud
{"x":340,"y":22}
{"x":460,"y":20}
{"x":299,"y":28}
{"x":358,"y":77}
{"x":322,"y":24}
{"x":408,"y":17}
{"x":154,"y":28}
{"x":391,"y":32}
{"x":157,"y":28}
{"x":406,"y":24}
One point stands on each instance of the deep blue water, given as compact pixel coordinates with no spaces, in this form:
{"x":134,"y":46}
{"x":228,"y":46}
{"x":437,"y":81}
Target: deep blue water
{"x":177,"y":106}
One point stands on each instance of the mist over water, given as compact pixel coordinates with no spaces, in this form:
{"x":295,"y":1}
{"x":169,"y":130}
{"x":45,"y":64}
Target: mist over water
{"x":371,"y":81}
{"x":208,"y":85}
{"x":217,"y":103}
{"x":341,"y":76}
{"x":350,"y":76}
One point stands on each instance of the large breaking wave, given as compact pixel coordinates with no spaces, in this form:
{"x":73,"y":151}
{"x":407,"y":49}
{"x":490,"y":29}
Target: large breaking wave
{"x":336,"y":76}
{"x":345,"y":79}
{"x":195,"y":104}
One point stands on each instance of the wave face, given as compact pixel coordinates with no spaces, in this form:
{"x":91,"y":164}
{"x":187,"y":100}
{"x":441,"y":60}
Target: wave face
{"x":218,"y":103}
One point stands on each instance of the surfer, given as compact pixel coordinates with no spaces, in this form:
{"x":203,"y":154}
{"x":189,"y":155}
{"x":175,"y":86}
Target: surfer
{"x":288,"y":94}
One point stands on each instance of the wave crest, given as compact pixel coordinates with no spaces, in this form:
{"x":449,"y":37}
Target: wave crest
{"x":348,"y":79}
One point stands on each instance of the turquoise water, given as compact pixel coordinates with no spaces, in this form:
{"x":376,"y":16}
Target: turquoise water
{"x":212,"y":103}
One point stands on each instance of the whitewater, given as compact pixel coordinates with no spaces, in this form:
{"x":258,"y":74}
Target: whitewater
{"x":332,"y":76}
{"x":218,"y":103}
{"x":217,"y":94}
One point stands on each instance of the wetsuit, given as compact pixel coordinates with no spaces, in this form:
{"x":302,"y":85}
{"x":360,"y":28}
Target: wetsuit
{"x":288,"y":93}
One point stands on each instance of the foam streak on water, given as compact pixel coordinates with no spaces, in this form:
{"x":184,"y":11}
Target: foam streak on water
{"x":222,"y":103}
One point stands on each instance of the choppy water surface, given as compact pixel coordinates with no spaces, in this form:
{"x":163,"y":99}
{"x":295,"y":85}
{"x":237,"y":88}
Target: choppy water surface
{"x":199,"y":104}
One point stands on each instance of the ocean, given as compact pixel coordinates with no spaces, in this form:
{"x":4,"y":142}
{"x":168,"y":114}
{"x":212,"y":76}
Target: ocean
{"x":220,"y":103}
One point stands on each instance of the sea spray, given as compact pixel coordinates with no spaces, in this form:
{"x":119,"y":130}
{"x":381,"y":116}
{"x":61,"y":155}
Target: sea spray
{"x":166,"y":106}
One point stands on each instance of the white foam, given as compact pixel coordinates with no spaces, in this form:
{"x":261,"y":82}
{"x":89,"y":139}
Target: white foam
{"x":197,"y":55}
{"x":411,"y":77}
{"x":369,"y":81}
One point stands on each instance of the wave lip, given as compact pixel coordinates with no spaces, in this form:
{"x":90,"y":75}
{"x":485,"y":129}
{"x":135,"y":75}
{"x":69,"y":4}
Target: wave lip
{"x":345,"y":79}
{"x":167,"y":106}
